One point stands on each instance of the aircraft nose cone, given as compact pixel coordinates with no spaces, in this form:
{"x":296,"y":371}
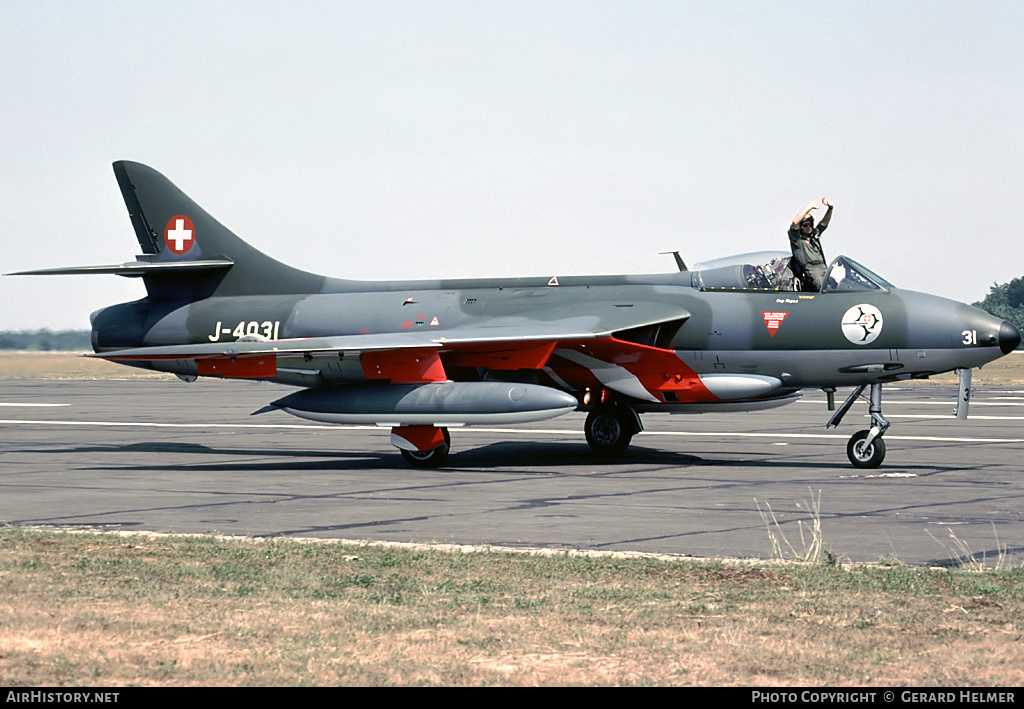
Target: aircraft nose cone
{"x":1009,"y":337}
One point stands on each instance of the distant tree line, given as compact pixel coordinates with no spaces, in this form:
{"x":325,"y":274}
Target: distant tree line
{"x":45,"y":340}
{"x":1006,"y":301}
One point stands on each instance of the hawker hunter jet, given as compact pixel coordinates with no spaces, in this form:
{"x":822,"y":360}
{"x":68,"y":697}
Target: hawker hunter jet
{"x":421,"y":357}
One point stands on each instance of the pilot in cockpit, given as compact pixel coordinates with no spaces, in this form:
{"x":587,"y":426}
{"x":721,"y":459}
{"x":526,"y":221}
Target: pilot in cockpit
{"x":808,"y":262}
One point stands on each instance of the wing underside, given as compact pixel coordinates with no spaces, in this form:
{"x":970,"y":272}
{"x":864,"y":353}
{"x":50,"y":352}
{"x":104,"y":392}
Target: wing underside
{"x":500,"y":345}
{"x":575,"y":354}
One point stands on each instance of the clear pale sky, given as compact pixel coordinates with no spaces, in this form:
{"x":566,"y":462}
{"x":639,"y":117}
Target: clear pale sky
{"x":384,"y":140}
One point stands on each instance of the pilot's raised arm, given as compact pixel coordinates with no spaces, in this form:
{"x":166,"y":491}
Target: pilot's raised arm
{"x":811,"y":206}
{"x":823,"y":224}
{"x":804,"y":239}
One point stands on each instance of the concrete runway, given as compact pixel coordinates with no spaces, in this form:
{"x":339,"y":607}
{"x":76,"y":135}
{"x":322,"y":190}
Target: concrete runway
{"x":168,"y":456}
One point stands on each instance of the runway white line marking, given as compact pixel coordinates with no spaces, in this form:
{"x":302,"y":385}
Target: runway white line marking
{"x":512,"y":431}
{"x":949,"y":402}
{"x":12,"y":404}
{"x":882,"y":475}
{"x":174,"y":425}
{"x":972,"y":417}
{"x":843,"y":437}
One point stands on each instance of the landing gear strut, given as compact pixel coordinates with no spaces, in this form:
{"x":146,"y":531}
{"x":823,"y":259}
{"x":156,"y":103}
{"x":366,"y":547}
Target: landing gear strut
{"x":610,"y":428}
{"x":866,"y":449}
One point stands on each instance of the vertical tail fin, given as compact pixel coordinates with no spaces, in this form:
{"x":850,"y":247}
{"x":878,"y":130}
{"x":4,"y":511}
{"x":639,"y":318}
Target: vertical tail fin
{"x":175,"y":233}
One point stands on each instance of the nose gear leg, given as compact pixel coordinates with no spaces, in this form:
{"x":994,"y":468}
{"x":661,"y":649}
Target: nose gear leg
{"x":878,"y":423}
{"x":865,"y":449}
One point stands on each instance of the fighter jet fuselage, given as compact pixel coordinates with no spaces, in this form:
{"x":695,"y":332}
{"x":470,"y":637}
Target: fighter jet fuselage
{"x":420,"y":356}
{"x":804,"y":340}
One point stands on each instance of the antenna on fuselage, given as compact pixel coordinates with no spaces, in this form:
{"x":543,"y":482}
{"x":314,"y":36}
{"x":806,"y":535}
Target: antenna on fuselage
{"x":678,"y":258}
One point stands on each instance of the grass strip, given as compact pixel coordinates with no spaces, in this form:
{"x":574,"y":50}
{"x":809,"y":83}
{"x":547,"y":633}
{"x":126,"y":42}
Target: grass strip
{"x":115,"y":610}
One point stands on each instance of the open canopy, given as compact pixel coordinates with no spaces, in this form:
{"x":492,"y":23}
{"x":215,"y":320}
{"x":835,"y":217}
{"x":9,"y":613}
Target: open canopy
{"x":769,"y":270}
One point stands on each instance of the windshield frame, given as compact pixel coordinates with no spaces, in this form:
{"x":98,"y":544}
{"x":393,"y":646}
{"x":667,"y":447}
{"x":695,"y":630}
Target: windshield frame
{"x":866,"y":273}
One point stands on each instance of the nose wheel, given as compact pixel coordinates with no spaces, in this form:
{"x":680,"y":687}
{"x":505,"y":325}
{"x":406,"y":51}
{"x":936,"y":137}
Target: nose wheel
{"x":865,"y":449}
{"x":863,"y":453}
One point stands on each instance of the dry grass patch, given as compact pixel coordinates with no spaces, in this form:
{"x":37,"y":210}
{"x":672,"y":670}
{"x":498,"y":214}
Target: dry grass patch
{"x":67,"y":365}
{"x":1005,"y":371}
{"x":84,"y":609}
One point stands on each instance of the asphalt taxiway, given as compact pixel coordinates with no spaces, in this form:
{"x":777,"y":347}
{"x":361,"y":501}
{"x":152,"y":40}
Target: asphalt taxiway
{"x":163,"y":455}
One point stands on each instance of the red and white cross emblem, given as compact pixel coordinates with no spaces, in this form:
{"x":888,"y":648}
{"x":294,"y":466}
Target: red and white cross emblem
{"x":179,"y":234}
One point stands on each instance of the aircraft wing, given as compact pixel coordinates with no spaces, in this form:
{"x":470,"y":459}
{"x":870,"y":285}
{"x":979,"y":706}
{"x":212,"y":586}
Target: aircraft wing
{"x":506,"y":342}
{"x":595,"y":320}
{"x":311,"y":346}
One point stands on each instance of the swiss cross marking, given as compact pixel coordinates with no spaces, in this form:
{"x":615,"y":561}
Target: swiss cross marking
{"x":179,"y":234}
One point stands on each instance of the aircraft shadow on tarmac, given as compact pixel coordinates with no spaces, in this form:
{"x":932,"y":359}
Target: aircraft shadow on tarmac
{"x":497,"y":456}
{"x":501,"y":456}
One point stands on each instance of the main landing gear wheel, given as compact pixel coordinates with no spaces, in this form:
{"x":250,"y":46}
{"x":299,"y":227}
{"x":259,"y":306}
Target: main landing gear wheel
{"x":431,"y":458}
{"x":609,"y":429}
{"x":863,"y":454}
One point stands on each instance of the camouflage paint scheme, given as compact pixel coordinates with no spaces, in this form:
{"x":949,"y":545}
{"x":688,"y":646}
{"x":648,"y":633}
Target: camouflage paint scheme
{"x":419,"y":356}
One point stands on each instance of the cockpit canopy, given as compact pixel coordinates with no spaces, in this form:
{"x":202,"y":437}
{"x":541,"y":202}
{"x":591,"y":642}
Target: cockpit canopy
{"x":769,"y":270}
{"x":845,"y":274}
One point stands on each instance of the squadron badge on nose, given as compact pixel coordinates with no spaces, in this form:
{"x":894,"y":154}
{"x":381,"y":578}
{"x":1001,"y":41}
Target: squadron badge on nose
{"x":862,"y":324}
